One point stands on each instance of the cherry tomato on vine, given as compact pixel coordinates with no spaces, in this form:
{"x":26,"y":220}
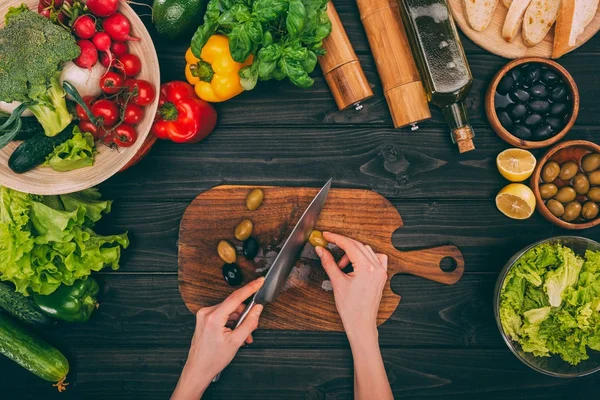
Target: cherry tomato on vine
{"x":88,"y":126}
{"x":143,"y":91}
{"x":130,"y":64}
{"x":133,"y":114}
{"x":111,"y":83}
{"x":106,"y":111}
{"x":124,"y":135}
{"x":81,"y":114}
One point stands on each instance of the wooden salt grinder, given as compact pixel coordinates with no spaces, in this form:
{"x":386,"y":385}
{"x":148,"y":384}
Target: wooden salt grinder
{"x":402,"y":85}
{"x":341,"y":67}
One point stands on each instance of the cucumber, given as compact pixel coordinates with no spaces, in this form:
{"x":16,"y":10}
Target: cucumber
{"x":29,"y":127}
{"x":22,"y":307}
{"x":31,"y":352}
{"x":34,"y":151}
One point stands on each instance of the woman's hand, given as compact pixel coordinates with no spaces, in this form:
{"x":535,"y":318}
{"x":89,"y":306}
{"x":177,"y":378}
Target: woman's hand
{"x":357,"y":294}
{"x":214,"y":343}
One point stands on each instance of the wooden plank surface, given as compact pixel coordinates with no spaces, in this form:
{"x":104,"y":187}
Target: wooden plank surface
{"x":441,"y":343}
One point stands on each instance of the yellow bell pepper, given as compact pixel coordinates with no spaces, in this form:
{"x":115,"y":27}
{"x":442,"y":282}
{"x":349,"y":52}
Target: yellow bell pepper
{"x":215,"y":75}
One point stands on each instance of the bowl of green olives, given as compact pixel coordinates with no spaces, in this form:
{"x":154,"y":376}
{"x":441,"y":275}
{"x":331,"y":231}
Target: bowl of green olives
{"x":532,"y":102}
{"x":566,"y":184}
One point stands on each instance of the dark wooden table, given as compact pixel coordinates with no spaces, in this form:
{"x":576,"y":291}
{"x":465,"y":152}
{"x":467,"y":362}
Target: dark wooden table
{"x":442,"y":341}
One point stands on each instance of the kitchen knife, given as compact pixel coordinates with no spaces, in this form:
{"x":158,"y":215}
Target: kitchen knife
{"x":287,"y":257}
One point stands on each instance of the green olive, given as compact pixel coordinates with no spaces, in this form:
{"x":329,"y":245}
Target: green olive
{"x":227,"y":252}
{"x":572,"y":211}
{"x":594,"y":177}
{"x":565,"y":194}
{"x":244,"y":230}
{"x":550,"y":171}
{"x":590,"y":162}
{"x":548,"y":190}
{"x":594,"y":194}
{"x":555,"y":207}
{"x":254,"y":199}
{"x":568,"y":170}
{"x":316,"y":239}
{"x":589,"y":210}
{"x":581,"y":184}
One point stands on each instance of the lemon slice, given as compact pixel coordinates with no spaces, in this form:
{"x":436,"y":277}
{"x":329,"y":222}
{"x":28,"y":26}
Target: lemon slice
{"x":516,"y":165}
{"x":516,"y":201}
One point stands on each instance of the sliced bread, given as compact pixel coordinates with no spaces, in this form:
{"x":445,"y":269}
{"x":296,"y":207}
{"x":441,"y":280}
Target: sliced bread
{"x":573,"y":17}
{"x":507,"y":3}
{"x":479,"y":12}
{"x":539,"y":18}
{"x":514,"y":19}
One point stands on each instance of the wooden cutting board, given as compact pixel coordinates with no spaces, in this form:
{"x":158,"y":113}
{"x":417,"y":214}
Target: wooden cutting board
{"x":491,"y":39}
{"x":307,"y":303}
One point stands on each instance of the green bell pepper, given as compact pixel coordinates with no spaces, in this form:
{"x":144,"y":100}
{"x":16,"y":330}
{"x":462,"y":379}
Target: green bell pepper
{"x":71,"y":303}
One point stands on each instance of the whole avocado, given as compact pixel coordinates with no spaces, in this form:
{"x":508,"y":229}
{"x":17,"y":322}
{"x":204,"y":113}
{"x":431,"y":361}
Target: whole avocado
{"x":178,"y":19}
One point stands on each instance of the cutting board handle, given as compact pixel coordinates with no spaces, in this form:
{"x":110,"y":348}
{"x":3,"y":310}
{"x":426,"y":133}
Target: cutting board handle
{"x":427,"y":263}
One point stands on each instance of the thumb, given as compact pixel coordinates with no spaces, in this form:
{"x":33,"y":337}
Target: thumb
{"x":249,"y":325}
{"x":329,"y":264}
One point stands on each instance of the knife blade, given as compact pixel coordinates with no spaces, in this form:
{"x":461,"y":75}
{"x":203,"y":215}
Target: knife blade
{"x":286,"y":259}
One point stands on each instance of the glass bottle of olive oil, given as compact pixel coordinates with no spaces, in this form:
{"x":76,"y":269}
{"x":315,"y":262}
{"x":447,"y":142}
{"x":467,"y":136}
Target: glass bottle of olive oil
{"x":442,"y":63}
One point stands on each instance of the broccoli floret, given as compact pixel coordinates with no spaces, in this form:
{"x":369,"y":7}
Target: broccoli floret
{"x":32,"y":51}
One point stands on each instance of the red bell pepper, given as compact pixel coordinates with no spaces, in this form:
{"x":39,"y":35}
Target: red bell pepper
{"x":182,"y":117}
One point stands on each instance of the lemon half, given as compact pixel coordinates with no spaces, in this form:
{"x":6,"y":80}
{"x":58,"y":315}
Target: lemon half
{"x":516,"y":201}
{"x":516,"y":165}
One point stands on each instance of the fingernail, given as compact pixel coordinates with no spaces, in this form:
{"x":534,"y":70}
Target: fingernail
{"x":258,"y":309}
{"x":319,"y":251}
{"x":261,"y":279}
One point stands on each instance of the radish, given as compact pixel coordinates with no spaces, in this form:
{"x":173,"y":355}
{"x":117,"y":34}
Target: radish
{"x":103,"y":8}
{"x":106,"y":60}
{"x":89,"y":55}
{"x":84,"y":27}
{"x":118,"y":27}
{"x":103,"y":42}
{"x":119,"y":48}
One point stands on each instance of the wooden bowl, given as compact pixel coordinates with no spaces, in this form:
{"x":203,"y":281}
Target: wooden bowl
{"x":570,"y":150}
{"x":108,"y":162}
{"x":490,"y":107}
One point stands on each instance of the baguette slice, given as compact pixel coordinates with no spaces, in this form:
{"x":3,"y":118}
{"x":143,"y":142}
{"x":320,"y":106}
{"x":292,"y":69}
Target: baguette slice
{"x":514,"y":19}
{"x":507,"y":3}
{"x":539,"y":18}
{"x":573,"y":17}
{"x":479,"y":12}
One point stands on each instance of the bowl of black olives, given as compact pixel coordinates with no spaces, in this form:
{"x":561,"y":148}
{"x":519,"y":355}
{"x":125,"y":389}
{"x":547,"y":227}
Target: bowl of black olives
{"x":566,"y":184}
{"x":532,"y":102}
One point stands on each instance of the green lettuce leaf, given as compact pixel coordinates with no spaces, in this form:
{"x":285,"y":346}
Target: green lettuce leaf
{"x":563,"y":277}
{"x":77,"y":152}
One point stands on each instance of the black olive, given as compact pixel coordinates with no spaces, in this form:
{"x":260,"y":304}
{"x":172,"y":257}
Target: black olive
{"x":521,"y":132}
{"x":519,"y":96}
{"x":532,"y":74}
{"x":505,"y":84}
{"x":533,"y":120}
{"x":558,"y":109}
{"x":250,"y":248}
{"x":539,"y":106}
{"x":516,"y":74}
{"x":558,"y":93}
{"x":549,"y":77}
{"x":516,"y":111}
{"x":555,"y":123}
{"x":504,"y":118}
{"x":232,"y":274}
{"x":539,"y":91}
{"x":543,"y":132}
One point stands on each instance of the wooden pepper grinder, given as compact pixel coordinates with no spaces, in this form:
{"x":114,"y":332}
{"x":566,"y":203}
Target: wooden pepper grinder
{"x":402,"y":85}
{"x":341,"y":67}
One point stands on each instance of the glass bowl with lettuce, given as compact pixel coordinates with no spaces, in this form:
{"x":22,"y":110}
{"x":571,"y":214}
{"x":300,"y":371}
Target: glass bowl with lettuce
{"x":547,"y":306}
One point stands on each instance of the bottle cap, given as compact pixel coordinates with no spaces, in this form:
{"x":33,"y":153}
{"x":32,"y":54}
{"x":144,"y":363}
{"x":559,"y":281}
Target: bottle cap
{"x":463,"y":137}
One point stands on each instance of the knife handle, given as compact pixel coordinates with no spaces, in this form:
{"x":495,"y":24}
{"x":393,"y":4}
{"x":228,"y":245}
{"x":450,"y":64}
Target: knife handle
{"x":239,"y":322}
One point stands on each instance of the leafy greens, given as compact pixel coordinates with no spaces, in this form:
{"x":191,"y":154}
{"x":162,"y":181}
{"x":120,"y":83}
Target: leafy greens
{"x":46,"y":241}
{"x":550,"y":302}
{"x":285,"y":36}
{"x":77,"y":152}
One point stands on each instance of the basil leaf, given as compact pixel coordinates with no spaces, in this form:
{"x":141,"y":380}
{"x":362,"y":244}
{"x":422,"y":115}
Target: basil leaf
{"x":226,"y":20}
{"x":310,"y":62}
{"x":278,"y":74}
{"x":293,"y":69}
{"x":269,"y":10}
{"x":249,"y":76}
{"x":213,"y":10}
{"x":240,"y":12}
{"x":323,"y":28}
{"x":240,"y":44}
{"x":267,"y":38}
{"x":295,"y":18}
{"x":255,"y":31}
{"x":268,"y":57}
{"x":204,"y":32}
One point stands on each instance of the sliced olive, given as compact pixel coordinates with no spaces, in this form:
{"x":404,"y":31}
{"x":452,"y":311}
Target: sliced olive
{"x":594,"y":194}
{"x":556,"y":208}
{"x":589,"y":210}
{"x":250,"y":248}
{"x":316,"y":239}
{"x":555,"y":123}
{"x":505,"y":85}
{"x":504,"y":119}
{"x":519,"y":96}
{"x":590,"y":162}
{"x":568,"y":170}
{"x":572,"y":211}
{"x":243,"y":230}
{"x":581,"y":184}
{"x":594,"y":177}
{"x":533,"y":120}
{"x":516,"y":111}
{"x":538,"y":91}
{"x":522,"y":132}
{"x":559,"y":93}
{"x":543,"y":132}
{"x":565,"y":194}
{"x":549,"y":77}
{"x":254,"y":199}
{"x":548,"y":190}
{"x":550,"y":171}
{"x":227,"y":252}
{"x":539,"y":106}
{"x":558,"y":109}
{"x":232,"y":274}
